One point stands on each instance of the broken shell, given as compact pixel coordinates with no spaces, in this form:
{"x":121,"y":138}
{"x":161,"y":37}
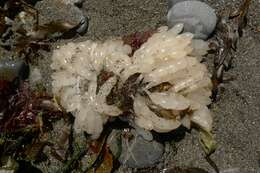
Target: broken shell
{"x":58,"y":11}
{"x":83,"y":26}
{"x":149,"y":120}
{"x":198,"y":18}
{"x":169,"y":100}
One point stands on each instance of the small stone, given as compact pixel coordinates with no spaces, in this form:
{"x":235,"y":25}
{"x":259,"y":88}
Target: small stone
{"x":12,"y":69}
{"x":140,"y":153}
{"x":197,"y":17}
{"x":147,"y":135}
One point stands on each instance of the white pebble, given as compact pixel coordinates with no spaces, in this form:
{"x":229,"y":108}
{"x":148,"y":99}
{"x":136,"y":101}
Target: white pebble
{"x":198,"y":18}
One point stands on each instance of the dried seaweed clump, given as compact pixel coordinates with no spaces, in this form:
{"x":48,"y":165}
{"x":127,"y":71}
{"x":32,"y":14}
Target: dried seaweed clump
{"x":163,"y":83}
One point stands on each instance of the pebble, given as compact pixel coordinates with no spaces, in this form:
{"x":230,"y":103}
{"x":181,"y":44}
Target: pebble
{"x":137,"y":151}
{"x":140,"y":153}
{"x":11,"y":69}
{"x":197,"y":17}
{"x":147,"y":135}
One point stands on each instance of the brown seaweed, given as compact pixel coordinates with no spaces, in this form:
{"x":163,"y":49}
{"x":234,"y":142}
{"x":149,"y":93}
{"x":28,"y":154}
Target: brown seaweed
{"x":25,"y":41}
{"x":229,"y":30}
{"x":137,"y":39}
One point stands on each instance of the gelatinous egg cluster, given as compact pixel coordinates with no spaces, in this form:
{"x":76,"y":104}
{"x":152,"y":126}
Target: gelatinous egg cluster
{"x":172,"y":86}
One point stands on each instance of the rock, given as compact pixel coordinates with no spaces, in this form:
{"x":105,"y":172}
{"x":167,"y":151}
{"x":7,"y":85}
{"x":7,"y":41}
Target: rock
{"x":140,"y":153}
{"x":145,"y":134}
{"x":12,"y":69}
{"x":197,"y":17}
{"x":135,"y":151}
{"x":57,"y":11}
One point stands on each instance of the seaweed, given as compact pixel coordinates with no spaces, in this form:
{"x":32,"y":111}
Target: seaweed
{"x":229,"y":29}
{"x":25,"y":115}
{"x":20,"y":31}
{"x":24,"y":108}
{"x":137,"y":39}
